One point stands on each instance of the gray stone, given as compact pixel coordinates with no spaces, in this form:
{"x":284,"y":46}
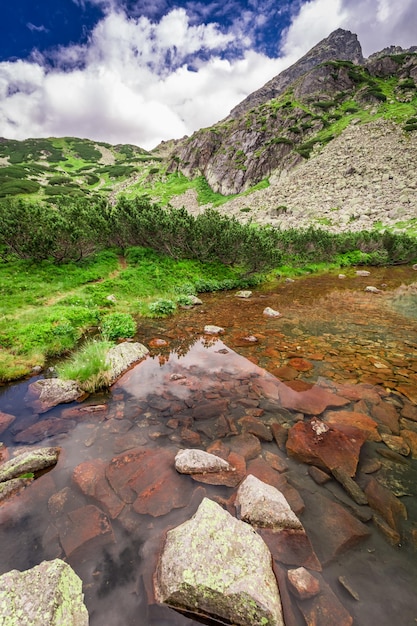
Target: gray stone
{"x":244,"y":294}
{"x":195,"y":301}
{"x":44,"y":394}
{"x":218,"y":565}
{"x":265,"y":506}
{"x":198,"y":462}
{"x":49,"y":594}
{"x":210,"y":329}
{"x":362,"y":273}
{"x":372,"y":289}
{"x":271,"y":312}
{"x":122,"y":356}
{"x":29,"y":462}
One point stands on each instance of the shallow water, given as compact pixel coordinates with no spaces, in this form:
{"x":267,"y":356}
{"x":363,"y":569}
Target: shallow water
{"x":345,"y":335}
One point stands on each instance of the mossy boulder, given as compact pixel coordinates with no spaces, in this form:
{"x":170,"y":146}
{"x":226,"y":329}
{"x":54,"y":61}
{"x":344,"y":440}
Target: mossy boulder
{"x":220,"y":566}
{"x":49,"y":594}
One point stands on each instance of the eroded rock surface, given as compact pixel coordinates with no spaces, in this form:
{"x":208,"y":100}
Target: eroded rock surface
{"x":46,"y":393}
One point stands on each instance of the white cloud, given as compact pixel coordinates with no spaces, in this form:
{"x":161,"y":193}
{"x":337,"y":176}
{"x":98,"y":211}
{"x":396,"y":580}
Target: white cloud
{"x":132,"y":83}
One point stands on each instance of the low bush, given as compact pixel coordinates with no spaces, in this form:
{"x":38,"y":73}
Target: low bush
{"x":162,"y":307}
{"x":117,"y":326}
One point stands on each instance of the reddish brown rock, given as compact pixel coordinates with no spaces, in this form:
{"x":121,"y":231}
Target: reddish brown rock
{"x":91,"y":480}
{"x":358,"y":392}
{"x":275,"y":461}
{"x":285,"y":372}
{"x":291,"y":547}
{"x":147,"y":478}
{"x":190,"y":437}
{"x":280,"y":435}
{"x":358,"y":420}
{"x":5,"y":420}
{"x":397,"y":444}
{"x":43,"y":429}
{"x":300,"y":364}
{"x":312,"y":401}
{"x":409,"y":411}
{"x":386,"y":414}
{"x":214,"y":428}
{"x":328,"y":450}
{"x":383,"y":501}
{"x":256,"y":427}
{"x":227,"y":479}
{"x":85,"y":526}
{"x":299,"y":385}
{"x":391,"y":535}
{"x":207,"y":410}
{"x":410,"y":437}
{"x":331,"y":528}
{"x":319,"y":477}
{"x":158,"y":343}
{"x":325,"y":609}
{"x":292,"y":615}
{"x":246,"y":445}
{"x":303,"y":584}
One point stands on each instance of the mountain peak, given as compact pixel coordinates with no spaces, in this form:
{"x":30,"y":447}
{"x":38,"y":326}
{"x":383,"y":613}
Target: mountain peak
{"x":339,"y":45}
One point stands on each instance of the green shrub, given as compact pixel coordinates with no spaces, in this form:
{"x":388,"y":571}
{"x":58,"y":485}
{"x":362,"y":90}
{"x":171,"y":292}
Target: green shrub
{"x":162,"y":307}
{"x":118,"y":326}
{"x":184,"y":300}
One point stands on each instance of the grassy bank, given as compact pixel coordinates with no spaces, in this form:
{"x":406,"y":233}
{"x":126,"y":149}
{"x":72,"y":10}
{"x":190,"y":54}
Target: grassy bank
{"x":64,"y":272}
{"x":45,"y":308}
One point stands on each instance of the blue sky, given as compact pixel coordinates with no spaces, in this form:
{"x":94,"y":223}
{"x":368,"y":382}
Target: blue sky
{"x":142,"y":71}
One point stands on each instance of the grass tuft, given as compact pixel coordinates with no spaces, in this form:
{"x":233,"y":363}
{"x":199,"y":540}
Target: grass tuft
{"x":88,"y":366}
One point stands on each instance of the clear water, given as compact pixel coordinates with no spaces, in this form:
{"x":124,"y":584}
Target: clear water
{"x":347,"y":335}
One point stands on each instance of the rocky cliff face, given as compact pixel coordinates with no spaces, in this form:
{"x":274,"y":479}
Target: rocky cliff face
{"x":304,"y":108}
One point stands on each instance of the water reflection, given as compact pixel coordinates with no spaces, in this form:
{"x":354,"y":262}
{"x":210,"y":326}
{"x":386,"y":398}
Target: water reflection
{"x":197,"y":390}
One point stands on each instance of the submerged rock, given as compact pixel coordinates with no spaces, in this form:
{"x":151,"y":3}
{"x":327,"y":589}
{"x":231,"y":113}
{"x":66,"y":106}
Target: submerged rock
{"x":46,"y":393}
{"x":49,"y":594}
{"x":218,"y":565}
{"x":271,"y":312}
{"x":211,"y":329}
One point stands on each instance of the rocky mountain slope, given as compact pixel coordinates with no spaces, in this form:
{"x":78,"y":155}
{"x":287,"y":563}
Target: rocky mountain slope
{"x":331,"y":141}
{"x":305,"y":106}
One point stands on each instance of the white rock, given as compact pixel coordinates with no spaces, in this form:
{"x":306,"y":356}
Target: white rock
{"x":243,"y":294}
{"x":218,"y":565}
{"x":198,"y":462}
{"x":263,"y":505}
{"x":271,"y":312}
{"x":210,"y":329}
{"x":362,"y":273}
{"x":371,"y":289}
{"x":342,"y":275}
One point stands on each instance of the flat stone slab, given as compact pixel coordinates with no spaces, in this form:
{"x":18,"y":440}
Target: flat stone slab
{"x":46,"y":393}
{"x":49,"y":594}
{"x":218,"y":565}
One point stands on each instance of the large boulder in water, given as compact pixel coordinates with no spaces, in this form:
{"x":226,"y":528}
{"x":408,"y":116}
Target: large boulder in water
{"x":49,"y":594}
{"x":221,"y":567}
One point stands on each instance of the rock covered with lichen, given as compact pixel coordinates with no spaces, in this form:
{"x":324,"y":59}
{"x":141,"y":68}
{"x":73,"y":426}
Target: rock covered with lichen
{"x":49,"y":594}
{"x":220,"y":566}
